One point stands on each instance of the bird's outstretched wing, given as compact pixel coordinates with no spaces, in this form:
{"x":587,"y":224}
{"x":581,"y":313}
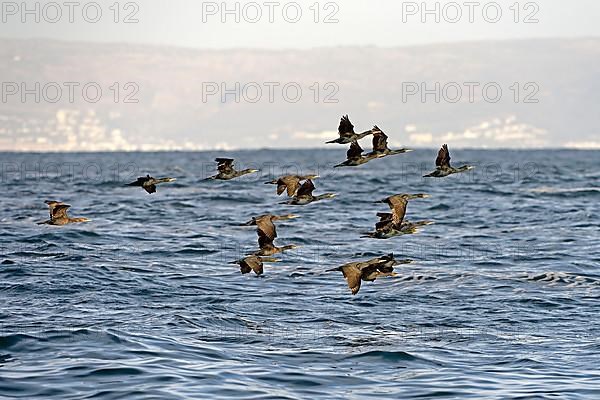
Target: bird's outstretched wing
{"x":244,"y":267}
{"x":443,"y":158}
{"x":266,"y":226}
{"x":264,"y":240}
{"x":385,"y":220}
{"x":52,"y":205}
{"x":398,"y":206}
{"x":224,"y":165}
{"x":306,"y":189}
{"x":380,"y":140}
{"x":140,"y":181}
{"x":150,"y":188}
{"x":352,"y":274}
{"x":289,"y":183}
{"x":355,"y":151}
{"x":386,"y":264}
{"x":60,"y":211}
{"x":252,"y":263}
{"x":346,"y":128}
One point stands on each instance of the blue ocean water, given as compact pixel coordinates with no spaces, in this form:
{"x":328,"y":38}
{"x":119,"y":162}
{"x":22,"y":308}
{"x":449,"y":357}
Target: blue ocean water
{"x":141,"y":303}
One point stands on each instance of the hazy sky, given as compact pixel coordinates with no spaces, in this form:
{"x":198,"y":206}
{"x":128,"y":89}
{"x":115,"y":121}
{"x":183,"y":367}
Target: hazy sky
{"x":199,"y":24}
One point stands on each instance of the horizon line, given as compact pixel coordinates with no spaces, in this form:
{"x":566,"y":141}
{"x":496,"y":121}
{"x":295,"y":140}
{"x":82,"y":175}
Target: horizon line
{"x":287,"y":150}
{"x":282,"y":49}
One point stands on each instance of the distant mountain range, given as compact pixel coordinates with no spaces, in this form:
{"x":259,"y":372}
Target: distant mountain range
{"x":180,"y":105}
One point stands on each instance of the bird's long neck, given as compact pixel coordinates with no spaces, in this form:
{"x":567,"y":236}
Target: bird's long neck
{"x":285,"y":217}
{"x":325,"y":196}
{"x":422,"y":223}
{"x":464,"y":168}
{"x":246,"y":172}
{"x":75,"y":220}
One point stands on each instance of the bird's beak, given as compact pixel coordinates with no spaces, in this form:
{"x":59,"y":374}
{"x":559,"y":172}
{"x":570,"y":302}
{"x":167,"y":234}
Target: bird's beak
{"x":232,"y":262}
{"x":379,"y":201}
{"x":292,"y":216}
{"x":249,"y":223}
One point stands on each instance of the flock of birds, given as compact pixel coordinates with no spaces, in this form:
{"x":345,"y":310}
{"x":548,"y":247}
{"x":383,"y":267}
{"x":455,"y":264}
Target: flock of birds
{"x":299,"y":190}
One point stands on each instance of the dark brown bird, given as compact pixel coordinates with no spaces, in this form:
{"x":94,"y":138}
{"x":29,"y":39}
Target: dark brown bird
{"x":368,"y":271}
{"x":346,"y":132}
{"x":443,"y":167}
{"x":59,"y":216}
{"x":380,"y":145}
{"x":253,"y":263}
{"x":355,"y":157}
{"x":227,"y":171}
{"x":267,"y":233}
{"x":291,"y":183}
{"x":305,"y":195}
{"x":149,"y":183}
{"x":393,"y":224}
